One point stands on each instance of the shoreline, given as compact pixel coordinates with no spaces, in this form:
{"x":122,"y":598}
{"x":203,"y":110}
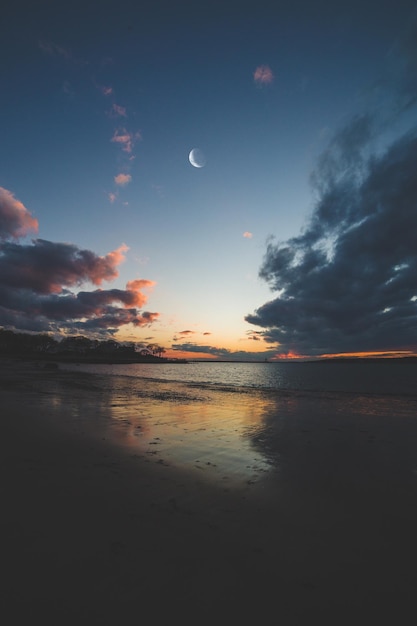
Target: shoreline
{"x":98,"y":529}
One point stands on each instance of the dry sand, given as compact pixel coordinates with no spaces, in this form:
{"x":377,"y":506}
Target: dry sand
{"x":97,"y":530}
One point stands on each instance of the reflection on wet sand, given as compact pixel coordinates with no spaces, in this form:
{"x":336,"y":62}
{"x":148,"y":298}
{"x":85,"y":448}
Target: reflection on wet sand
{"x":205,"y":431}
{"x":243,"y":437}
{"x":299,"y":505}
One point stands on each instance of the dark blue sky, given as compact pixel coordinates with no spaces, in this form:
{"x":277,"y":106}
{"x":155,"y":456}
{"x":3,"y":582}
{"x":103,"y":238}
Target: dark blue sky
{"x":298,"y":109}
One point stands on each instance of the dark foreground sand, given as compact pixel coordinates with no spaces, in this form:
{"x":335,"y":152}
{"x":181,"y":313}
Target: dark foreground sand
{"x":95,"y":531}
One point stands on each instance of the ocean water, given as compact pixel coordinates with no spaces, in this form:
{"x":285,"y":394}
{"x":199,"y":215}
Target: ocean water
{"x":237,"y":423}
{"x":383,"y":377}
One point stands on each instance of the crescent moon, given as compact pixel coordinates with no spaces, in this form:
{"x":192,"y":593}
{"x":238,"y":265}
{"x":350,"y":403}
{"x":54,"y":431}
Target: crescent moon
{"x":197,"y":158}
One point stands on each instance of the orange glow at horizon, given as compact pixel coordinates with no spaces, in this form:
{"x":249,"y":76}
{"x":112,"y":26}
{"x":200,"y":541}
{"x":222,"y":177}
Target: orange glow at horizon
{"x":386,"y":354}
{"x":288,"y":356}
{"x":182,"y":354}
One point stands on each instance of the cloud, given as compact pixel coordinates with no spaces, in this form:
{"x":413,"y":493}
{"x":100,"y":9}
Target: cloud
{"x":122,"y":179}
{"x":106,"y":90}
{"x":112,"y":197}
{"x":133,"y":290}
{"x":221,"y":353}
{"x":247,"y":235}
{"x":54,"y":50}
{"x":348,"y":281}
{"x":15,"y":220}
{"x":182,"y":334}
{"x":119,"y":110}
{"x":47,"y":267}
{"x":125,"y":139}
{"x":254,"y":335}
{"x":263,"y":75}
{"x":210,"y":350}
{"x":37,"y":282}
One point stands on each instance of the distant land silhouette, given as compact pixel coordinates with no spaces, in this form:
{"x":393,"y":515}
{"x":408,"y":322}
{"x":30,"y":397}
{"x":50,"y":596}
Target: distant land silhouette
{"x":78,"y":349}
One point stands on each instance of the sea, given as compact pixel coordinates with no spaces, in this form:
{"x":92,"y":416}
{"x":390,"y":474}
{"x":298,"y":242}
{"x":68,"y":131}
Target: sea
{"x":237,"y":423}
{"x":386,"y":377}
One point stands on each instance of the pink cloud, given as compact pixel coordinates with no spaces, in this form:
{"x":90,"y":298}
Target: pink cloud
{"x":263,"y":75}
{"x":119,"y":110}
{"x":132,"y":296}
{"x":122,"y":179}
{"x":247,"y":234}
{"x":127,"y":140}
{"x":110,"y":262}
{"x":134,"y":287}
{"x":112,"y":197}
{"x":36,"y":281}
{"x":46,"y":267}
{"x":106,"y":90}
{"x":15,"y":220}
{"x":91,"y":311}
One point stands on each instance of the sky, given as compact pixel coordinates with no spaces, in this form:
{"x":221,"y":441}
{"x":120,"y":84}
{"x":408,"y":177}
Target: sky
{"x":293,"y":234}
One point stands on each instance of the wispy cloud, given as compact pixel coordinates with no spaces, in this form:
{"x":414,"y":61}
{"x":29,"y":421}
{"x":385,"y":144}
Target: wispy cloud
{"x":254,"y":335}
{"x":183,"y":333}
{"x":209,"y":350}
{"x":125,"y":139}
{"x":106,"y":90}
{"x":122,"y":179}
{"x":263,"y":75}
{"x":119,"y":110}
{"x":247,"y":235}
{"x":52,"y":49}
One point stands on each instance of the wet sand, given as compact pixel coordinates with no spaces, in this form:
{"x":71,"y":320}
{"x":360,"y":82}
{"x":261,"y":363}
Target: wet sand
{"x":186,"y":504}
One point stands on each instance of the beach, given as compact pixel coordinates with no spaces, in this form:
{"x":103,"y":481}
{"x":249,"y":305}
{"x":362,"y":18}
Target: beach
{"x":167,"y":502}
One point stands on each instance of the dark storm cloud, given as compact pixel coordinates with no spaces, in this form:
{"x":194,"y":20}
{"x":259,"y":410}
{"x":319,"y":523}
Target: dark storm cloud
{"x":350,"y":284}
{"x":35,"y":280}
{"x":348,"y":281}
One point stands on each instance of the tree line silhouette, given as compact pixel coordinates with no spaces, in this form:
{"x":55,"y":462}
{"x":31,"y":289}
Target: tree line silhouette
{"x":76,"y":347}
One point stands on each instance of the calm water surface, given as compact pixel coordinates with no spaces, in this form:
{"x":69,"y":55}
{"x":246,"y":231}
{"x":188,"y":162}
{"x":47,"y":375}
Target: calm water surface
{"x":236,"y":422}
{"x":375,"y":378}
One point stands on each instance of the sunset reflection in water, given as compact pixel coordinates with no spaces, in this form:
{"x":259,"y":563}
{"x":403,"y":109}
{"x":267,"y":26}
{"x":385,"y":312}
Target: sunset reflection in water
{"x":236,"y":436}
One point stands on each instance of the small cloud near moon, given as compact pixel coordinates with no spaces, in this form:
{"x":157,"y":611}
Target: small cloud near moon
{"x":263,"y":75}
{"x":197,"y":158}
